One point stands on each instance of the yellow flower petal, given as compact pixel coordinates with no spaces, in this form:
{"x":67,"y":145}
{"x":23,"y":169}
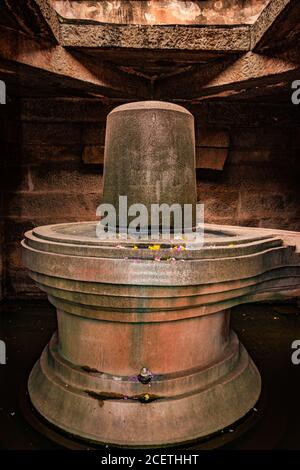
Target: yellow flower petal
{"x":154,"y":247}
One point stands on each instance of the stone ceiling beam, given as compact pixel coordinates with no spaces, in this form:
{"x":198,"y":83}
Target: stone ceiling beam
{"x":264,"y":30}
{"x":227,"y":77}
{"x":156,"y":37}
{"x":36,"y":17}
{"x":72,"y":70}
{"x":50,"y":16}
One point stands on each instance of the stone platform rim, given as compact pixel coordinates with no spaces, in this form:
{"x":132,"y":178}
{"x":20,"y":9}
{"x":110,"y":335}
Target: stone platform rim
{"x":54,"y":235}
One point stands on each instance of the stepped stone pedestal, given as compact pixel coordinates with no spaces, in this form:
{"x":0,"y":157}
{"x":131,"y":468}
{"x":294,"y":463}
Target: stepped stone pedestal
{"x":144,"y":354}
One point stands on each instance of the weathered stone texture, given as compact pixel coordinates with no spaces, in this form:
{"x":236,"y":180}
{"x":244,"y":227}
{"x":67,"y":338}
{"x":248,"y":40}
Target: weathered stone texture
{"x":157,"y":37}
{"x":211,"y":158}
{"x":93,"y":154}
{"x":232,"y":76}
{"x":265,"y":29}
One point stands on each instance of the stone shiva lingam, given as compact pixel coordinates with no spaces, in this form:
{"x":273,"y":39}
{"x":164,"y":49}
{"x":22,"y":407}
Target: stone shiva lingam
{"x":144,"y":354}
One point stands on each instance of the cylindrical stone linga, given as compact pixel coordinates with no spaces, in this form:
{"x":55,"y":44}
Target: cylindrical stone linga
{"x":144,"y":355}
{"x":150,"y":157}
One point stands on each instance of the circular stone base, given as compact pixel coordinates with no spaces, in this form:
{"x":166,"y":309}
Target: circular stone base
{"x":122,"y":307}
{"x":70,"y":442}
{"x":229,"y":390}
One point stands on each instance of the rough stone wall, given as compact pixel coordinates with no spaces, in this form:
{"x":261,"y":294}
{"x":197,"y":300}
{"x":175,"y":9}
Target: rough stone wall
{"x":260,"y":183}
{"x":45,"y":181}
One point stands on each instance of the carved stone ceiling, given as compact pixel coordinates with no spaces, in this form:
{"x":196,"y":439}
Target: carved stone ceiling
{"x":162,"y":11}
{"x":165,"y":49}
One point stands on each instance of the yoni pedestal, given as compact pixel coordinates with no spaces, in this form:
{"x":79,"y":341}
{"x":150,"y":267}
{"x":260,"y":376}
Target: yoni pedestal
{"x":144,"y":354}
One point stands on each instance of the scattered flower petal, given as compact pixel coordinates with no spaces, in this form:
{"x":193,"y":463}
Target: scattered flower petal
{"x":154,"y":247}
